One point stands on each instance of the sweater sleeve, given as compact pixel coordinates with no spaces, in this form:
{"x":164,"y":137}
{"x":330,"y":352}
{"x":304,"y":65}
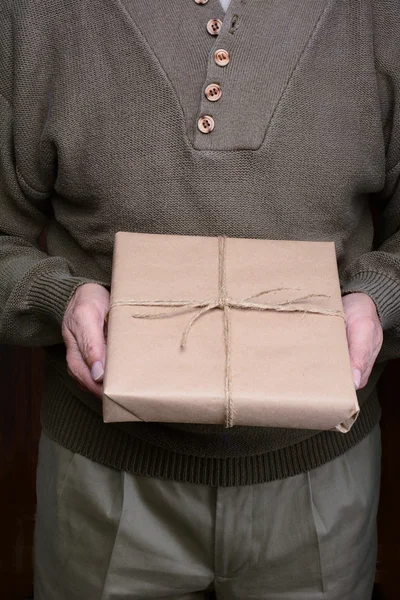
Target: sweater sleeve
{"x":377,"y":273}
{"x":34,"y":288}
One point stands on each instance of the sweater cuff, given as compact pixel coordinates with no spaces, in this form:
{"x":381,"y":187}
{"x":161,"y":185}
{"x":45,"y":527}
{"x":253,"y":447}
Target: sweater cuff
{"x":384,"y":291}
{"x":49,"y":295}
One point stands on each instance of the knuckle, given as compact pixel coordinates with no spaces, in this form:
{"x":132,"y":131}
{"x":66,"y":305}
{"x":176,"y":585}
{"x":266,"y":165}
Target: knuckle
{"x":360,"y":359}
{"x":71,"y":322}
{"x":78,"y":370}
{"x":359,"y":364}
{"x":83,"y":313}
{"x":88,"y":339}
{"x":73,"y":361}
{"x":90,"y":349}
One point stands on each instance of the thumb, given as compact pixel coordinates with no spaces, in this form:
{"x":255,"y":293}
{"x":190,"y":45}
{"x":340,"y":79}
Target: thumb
{"x":357,"y":374}
{"x":97,"y":371}
{"x":92,"y":346}
{"x":360,"y":353}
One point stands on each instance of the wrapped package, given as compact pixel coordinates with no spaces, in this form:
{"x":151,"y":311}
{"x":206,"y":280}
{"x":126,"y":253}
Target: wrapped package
{"x":227,"y":331}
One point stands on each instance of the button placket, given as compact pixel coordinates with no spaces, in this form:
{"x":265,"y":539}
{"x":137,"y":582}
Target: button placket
{"x":211,"y":103}
{"x":213,"y":95}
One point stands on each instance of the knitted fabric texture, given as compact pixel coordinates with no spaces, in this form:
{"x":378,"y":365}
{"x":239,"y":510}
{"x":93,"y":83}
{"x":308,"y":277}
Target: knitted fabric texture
{"x":99,"y":104}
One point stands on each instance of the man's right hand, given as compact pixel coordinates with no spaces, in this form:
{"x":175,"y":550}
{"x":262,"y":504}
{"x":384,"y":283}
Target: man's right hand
{"x":83,"y":330}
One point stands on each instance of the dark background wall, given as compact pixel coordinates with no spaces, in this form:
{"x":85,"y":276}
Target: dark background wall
{"x":21,"y":371}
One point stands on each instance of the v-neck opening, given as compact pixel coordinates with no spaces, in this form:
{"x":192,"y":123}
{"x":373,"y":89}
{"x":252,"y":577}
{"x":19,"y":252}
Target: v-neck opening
{"x":265,"y":41}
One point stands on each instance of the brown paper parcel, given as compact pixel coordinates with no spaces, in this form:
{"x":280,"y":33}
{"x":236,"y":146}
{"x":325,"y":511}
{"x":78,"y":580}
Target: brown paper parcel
{"x":286,"y":365}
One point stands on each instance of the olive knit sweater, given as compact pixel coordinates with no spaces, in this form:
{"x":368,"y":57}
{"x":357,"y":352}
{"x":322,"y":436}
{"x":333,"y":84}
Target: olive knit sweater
{"x":99,"y":109}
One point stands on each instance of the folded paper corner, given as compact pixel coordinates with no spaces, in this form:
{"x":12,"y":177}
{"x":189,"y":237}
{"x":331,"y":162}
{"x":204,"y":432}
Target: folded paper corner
{"x":116,"y":413}
{"x":346,"y":425}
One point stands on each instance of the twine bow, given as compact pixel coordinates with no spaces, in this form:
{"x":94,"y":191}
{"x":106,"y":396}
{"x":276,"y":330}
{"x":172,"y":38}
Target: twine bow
{"x":225,"y":303}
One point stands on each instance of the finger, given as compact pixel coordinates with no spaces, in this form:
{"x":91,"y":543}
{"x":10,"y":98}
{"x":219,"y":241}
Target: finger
{"x":78,"y":369}
{"x":360,"y":337}
{"x":376,"y":346}
{"x":366,"y":373}
{"x":91,"y":341}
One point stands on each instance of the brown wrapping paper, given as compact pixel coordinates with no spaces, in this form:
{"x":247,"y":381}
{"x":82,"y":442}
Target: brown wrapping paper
{"x":287,"y":369}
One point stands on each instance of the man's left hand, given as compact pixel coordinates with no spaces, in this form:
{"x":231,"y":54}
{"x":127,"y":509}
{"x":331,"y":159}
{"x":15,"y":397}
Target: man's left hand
{"x":364,"y":335}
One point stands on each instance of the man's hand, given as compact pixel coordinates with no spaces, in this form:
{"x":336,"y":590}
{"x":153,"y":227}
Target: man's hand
{"x":364,"y":335}
{"x":84,"y":336}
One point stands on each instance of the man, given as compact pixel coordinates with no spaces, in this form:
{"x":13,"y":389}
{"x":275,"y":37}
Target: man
{"x":273,"y":120}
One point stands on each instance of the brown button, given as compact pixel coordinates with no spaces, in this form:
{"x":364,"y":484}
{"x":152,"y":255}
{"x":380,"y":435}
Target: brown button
{"x":213,"y":92}
{"x":201,"y":1}
{"x":214,"y":26}
{"x":206,"y":124}
{"x":221,"y":57}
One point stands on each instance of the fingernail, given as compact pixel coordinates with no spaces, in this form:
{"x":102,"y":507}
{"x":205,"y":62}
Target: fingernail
{"x":97,"y":371}
{"x":356,"y":378}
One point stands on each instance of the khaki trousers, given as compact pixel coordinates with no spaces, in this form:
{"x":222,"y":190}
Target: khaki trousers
{"x":102,"y":534}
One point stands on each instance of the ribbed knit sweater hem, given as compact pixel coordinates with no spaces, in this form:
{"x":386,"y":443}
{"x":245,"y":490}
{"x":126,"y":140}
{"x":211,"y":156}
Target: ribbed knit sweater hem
{"x":73,"y":425}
